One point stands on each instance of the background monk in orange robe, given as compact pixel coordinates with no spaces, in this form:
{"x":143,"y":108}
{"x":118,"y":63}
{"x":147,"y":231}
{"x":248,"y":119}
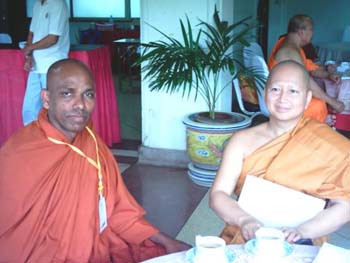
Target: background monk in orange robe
{"x":292,"y":150}
{"x":62,"y":197}
{"x":300,"y":30}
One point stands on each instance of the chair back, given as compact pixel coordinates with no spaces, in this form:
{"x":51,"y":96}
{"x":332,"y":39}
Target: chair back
{"x":249,"y":51}
{"x":253,"y":59}
{"x":5,"y":38}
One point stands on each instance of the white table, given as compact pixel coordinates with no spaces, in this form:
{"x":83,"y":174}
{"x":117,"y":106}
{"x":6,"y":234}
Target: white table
{"x":337,"y":52}
{"x":301,"y":254}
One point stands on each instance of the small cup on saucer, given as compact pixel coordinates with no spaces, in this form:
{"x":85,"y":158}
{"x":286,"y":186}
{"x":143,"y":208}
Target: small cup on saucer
{"x":210,"y":249}
{"x":269,"y":241}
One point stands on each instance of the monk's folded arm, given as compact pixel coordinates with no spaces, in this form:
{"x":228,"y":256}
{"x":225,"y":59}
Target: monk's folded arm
{"x":327,"y":221}
{"x":320,"y":73}
{"x":319,"y":93}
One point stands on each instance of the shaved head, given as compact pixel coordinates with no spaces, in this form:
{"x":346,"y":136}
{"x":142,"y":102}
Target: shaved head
{"x":293,"y":66}
{"x":56,"y":68}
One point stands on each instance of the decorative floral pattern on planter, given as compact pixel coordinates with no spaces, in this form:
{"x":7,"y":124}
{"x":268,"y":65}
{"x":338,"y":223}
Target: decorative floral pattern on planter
{"x":205,"y":148}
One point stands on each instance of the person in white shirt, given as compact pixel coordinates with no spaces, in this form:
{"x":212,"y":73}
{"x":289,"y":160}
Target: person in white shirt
{"x":47,"y":42}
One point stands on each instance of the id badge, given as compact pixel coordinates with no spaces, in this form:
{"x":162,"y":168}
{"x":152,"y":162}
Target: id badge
{"x":102,"y":212}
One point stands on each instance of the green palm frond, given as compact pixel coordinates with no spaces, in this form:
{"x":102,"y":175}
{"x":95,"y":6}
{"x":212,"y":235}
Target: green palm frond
{"x":196,"y":61}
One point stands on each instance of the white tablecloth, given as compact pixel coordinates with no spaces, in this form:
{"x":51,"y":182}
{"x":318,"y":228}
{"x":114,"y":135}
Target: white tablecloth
{"x":301,"y":254}
{"x":337,"y":52}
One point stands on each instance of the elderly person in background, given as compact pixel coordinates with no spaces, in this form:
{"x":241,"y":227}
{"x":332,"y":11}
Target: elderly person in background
{"x":300,"y":30}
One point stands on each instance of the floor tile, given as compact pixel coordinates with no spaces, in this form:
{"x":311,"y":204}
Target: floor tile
{"x":167,"y":194}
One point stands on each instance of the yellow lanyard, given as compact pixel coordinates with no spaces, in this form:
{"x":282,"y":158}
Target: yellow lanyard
{"x":94,"y":163}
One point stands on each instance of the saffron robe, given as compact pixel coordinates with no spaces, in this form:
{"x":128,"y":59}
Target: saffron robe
{"x":317,"y":109}
{"x":49,"y":202}
{"x":312,"y":158}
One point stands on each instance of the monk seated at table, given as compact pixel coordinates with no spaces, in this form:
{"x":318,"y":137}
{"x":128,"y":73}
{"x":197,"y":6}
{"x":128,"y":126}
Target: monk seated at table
{"x":300,"y":30}
{"x":62,"y":197}
{"x":291,"y":150}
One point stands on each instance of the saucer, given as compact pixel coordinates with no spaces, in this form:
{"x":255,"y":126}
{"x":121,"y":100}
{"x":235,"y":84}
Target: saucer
{"x":190,"y":255}
{"x":251,"y":249}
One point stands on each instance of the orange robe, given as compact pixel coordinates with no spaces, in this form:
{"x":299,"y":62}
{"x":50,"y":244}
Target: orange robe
{"x":49,"y":202}
{"x":312,"y":159}
{"x":317,"y":108}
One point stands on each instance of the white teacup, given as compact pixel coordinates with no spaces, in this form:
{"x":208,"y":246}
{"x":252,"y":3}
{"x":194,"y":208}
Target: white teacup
{"x":210,"y":249}
{"x":269,"y":241}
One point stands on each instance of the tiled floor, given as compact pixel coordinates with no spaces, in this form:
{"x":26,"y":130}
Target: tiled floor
{"x":169,"y":196}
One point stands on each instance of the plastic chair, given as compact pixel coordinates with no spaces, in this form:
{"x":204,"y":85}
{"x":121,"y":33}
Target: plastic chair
{"x":5,"y":38}
{"x":254,"y":61}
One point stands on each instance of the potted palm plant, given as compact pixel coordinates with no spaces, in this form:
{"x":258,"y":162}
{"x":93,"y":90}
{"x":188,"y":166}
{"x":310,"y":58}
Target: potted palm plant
{"x":194,"y":66}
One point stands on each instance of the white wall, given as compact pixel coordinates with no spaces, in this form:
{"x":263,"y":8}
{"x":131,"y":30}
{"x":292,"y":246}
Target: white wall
{"x":162,"y":113}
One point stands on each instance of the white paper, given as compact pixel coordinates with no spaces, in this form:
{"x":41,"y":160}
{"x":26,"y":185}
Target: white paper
{"x":331,"y":253}
{"x":275,"y":205}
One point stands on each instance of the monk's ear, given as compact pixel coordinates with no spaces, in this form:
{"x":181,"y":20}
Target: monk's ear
{"x":45,"y":98}
{"x":308,"y":98}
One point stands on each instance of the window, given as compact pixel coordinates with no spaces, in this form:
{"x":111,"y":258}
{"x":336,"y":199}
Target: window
{"x":95,"y":8}
{"x":135,"y":8}
{"x":98,"y":8}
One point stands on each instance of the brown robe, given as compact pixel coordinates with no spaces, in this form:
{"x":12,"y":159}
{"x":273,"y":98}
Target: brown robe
{"x":312,"y":158}
{"x":49,"y":202}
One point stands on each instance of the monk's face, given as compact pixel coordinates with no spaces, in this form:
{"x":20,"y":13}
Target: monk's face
{"x":70,"y":99}
{"x":307,"y":34}
{"x":287,"y":94}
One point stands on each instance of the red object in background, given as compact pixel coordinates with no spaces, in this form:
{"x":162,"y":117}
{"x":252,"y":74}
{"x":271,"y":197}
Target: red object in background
{"x":13,"y":80}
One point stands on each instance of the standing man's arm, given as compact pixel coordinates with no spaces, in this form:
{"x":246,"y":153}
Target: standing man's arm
{"x":45,"y":42}
{"x":29,"y":62}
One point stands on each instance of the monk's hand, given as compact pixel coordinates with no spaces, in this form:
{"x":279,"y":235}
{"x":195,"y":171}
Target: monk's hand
{"x":249,"y":226}
{"x":331,"y":68}
{"x":176,"y":246}
{"x":171,"y":245}
{"x":334,"y":77}
{"x":338,"y":105}
{"x":292,"y":235}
